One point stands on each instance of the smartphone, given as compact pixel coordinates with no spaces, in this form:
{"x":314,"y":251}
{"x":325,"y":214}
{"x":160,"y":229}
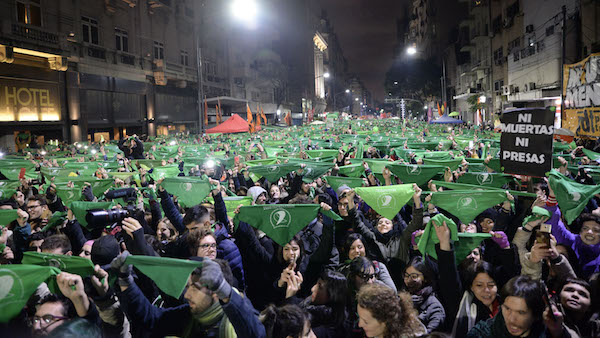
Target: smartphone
{"x":543,"y":237}
{"x":548,"y":300}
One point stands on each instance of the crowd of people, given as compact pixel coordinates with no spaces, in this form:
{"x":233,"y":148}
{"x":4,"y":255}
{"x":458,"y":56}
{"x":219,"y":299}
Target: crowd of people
{"x":156,"y":237}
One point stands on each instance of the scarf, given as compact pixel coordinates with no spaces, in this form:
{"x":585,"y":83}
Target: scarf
{"x":208,"y":319}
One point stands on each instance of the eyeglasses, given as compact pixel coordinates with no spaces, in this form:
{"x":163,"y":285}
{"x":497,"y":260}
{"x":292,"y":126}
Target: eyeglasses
{"x":45,"y":319}
{"x":206,"y":246}
{"x":412,"y":275}
{"x":367,"y":276}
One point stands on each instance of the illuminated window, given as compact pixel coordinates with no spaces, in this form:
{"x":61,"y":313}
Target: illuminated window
{"x":29,"y":12}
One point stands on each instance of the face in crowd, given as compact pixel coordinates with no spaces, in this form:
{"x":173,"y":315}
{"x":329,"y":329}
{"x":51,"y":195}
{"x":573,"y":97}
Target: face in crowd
{"x":485,"y":289}
{"x":590,"y":233}
{"x":291,"y":252}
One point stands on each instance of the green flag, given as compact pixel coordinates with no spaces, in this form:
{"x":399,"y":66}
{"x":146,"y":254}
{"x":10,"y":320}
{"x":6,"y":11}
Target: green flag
{"x":321,"y":153}
{"x":57,"y":218}
{"x":414,"y":173}
{"x":352,"y":170}
{"x":314,"y":170}
{"x":537,"y":213}
{"x":68,"y":195}
{"x":466,"y":205}
{"x":466,"y":243}
{"x":231,"y":203}
{"x":462,"y":186}
{"x":17,"y":283}
{"x":429,"y":238}
{"x":386,"y":200}
{"x":12,"y":173}
{"x":274,"y":171}
{"x":169,"y":274}
{"x":453,"y":164}
{"x":9,"y":184}
{"x":189,"y":190}
{"x":7,"y":216}
{"x":71,"y":264}
{"x":336,"y":181}
{"x":486,"y":179}
{"x":279,"y":221}
{"x":590,"y":154}
{"x":80,"y":209}
{"x":571,"y":196}
{"x":164,"y":172}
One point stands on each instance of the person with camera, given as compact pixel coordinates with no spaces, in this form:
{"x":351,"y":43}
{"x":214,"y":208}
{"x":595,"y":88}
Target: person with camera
{"x":213,"y":307}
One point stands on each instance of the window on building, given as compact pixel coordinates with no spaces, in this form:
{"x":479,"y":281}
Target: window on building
{"x":255,"y":96}
{"x":499,"y":56}
{"x":29,"y":12}
{"x":497,"y":24}
{"x":549,"y":30}
{"x":514,"y":44}
{"x":90,"y":30}
{"x":512,"y":10}
{"x":184,"y":58}
{"x":159,"y":50}
{"x":122,"y":40}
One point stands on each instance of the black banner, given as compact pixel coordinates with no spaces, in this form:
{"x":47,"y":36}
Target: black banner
{"x":526,"y":141}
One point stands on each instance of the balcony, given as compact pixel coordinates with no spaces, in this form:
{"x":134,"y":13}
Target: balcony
{"x":467,"y":48}
{"x":478,"y":35}
{"x":126,"y":59}
{"x":30,"y":37}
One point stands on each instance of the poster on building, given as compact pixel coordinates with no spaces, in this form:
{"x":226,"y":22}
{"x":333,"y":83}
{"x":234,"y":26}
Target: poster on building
{"x":526,"y":141}
{"x":581,"y":94}
{"x":24,"y":100}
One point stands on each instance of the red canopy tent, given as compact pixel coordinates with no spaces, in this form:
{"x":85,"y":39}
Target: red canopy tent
{"x":235,"y":124}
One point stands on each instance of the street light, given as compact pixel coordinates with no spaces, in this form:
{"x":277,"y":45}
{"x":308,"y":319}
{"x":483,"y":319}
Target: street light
{"x":244,"y":9}
{"x":482,"y":99}
{"x":326,"y":75}
{"x":412,"y":50}
{"x":347,"y":91}
{"x":356,"y":99}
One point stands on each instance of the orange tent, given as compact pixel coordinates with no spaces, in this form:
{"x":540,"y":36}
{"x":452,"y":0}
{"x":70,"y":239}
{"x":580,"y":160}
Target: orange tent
{"x":235,"y":124}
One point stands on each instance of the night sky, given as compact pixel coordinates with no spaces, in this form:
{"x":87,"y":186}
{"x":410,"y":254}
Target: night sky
{"x":367,"y":33}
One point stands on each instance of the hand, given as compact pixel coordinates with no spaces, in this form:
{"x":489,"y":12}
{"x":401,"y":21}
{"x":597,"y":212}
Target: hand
{"x":100,"y":280}
{"x":325,"y":206}
{"x":554,"y":325}
{"x":22,"y":217}
{"x":124,"y":270}
{"x":500,"y":238}
{"x":417,"y":196}
{"x":540,"y":201}
{"x":553,"y":253}
{"x":131,"y":225}
{"x":70,"y":285}
{"x":387,"y":174}
{"x":448,"y":175}
{"x":413,"y":238}
{"x":212,"y":278}
{"x":286,"y":273}
{"x":293,"y":285}
{"x":443,"y":234}
{"x":539,"y":251}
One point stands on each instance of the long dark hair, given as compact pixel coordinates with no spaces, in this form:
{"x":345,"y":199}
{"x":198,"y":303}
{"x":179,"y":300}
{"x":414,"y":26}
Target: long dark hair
{"x":528,"y":289}
{"x":351,"y":238}
{"x":337,"y":290}
{"x":279,"y":256}
{"x":281,"y":322}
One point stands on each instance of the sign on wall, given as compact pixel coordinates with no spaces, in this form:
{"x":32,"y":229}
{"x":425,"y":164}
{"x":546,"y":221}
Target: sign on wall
{"x":526,"y":141}
{"x":581,"y":93}
{"x":23,"y":100}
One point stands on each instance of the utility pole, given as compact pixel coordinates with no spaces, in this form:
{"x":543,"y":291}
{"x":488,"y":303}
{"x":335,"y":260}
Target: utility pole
{"x":200,"y":75}
{"x":562,"y":59}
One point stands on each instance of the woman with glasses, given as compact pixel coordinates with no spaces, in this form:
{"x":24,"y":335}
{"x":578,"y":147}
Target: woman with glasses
{"x":354,"y":247}
{"x":202,"y":243}
{"x":418,"y":281}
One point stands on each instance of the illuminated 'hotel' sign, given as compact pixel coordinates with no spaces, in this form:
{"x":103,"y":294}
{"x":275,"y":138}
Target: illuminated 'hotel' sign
{"x":22,"y":100}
